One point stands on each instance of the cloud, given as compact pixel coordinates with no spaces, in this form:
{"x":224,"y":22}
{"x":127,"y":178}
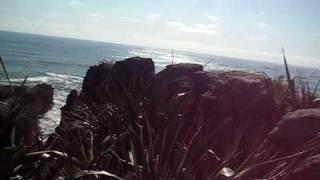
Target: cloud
{"x":207,"y":29}
{"x":260,"y":14}
{"x":53,"y":15}
{"x":261,"y":25}
{"x":213,"y":18}
{"x":75,"y":3}
{"x":259,"y":38}
{"x":153,"y":16}
{"x":146,"y":19}
{"x":132,"y":20}
{"x":95,"y":15}
{"x":206,"y":26}
{"x":195,"y":2}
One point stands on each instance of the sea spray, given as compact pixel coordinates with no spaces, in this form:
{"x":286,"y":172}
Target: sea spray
{"x":62,"y":85}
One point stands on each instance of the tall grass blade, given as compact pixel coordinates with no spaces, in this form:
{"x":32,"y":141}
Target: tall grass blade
{"x":289,"y":79}
{"x":5,"y":71}
{"x":315,"y":89}
{"x":99,"y":173}
{"x":24,"y":81}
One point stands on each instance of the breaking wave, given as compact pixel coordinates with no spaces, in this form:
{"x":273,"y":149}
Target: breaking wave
{"x":62,"y":85}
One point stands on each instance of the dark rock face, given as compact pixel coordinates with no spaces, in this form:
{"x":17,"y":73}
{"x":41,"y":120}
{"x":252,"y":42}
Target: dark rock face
{"x":25,"y":105}
{"x":71,"y":100}
{"x":295,"y":129}
{"x":96,"y":77}
{"x":182,"y":69}
{"x":235,"y":110}
{"x":309,"y":169}
{"x":133,"y":75}
{"x":293,"y":141}
{"x":228,"y":117}
{"x":237,"y":106}
{"x":105,"y":80}
{"x":246,"y":99}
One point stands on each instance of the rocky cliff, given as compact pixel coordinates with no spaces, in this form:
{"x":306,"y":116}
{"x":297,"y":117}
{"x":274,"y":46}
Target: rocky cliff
{"x":182,"y":122}
{"x":20,"y":109}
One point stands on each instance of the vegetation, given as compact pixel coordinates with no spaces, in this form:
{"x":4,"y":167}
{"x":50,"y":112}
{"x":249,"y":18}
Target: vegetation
{"x":292,"y":94}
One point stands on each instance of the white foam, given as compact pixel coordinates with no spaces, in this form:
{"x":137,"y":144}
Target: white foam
{"x":62,"y":85}
{"x":63,"y":76}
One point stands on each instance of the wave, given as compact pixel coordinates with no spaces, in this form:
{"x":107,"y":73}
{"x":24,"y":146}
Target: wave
{"x":42,"y":79}
{"x":64,"y":76}
{"x":49,"y":77}
{"x":152,"y":51}
{"x":62,"y":84}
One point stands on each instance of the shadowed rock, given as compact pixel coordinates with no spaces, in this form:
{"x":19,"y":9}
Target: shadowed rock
{"x":21,"y":107}
{"x":309,"y":169}
{"x":295,"y":129}
{"x":235,"y":110}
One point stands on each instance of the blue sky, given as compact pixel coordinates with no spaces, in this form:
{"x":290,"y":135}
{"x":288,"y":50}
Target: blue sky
{"x":253,"y":29}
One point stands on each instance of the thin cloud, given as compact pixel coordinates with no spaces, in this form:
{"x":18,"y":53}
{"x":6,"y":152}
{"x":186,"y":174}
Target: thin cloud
{"x":259,"y":38}
{"x":75,"y":3}
{"x":206,"y":26}
{"x":53,"y":15}
{"x":95,"y":15}
{"x":132,"y":20}
{"x":260,"y":14}
{"x":213,"y":18}
{"x":195,"y":2}
{"x":153,"y":16}
{"x":207,"y":29}
{"x":261,"y":25}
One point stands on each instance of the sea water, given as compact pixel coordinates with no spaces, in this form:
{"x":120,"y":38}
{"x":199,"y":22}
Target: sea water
{"x":62,"y":62}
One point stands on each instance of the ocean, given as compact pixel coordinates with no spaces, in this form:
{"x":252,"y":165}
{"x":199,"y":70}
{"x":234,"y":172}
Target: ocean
{"x":62,"y":62}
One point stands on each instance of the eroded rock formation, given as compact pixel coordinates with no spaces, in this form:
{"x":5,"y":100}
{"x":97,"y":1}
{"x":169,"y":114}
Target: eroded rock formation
{"x":231,"y":111}
{"x":20,"y":109}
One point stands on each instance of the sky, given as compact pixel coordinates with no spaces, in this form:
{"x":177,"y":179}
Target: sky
{"x":250,"y":29}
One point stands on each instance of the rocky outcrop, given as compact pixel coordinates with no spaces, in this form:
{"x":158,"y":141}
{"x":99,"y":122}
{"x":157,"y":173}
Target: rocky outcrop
{"x":308,"y":169}
{"x":102,"y":82}
{"x":295,"y":129}
{"x":185,"y":122}
{"x":294,"y":141}
{"x":246,"y":100}
{"x":233,"y":111}
{"x":20,"y":109}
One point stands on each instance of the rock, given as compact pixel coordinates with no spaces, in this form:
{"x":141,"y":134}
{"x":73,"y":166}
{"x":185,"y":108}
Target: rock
{"x":247,"y":100}
{"x":71,"y":100}
{"x":240,"y":103}
{"x":24,"y":105}
{"x":107,"y":88}
{"x":93,"y":82}
{"x":181,"y":69}
{"x":133,"y":76}
{"x":295,"y":129}
{"x":234,"y":110}
{"x":308,"y":169}
{"x":40,"y":98}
